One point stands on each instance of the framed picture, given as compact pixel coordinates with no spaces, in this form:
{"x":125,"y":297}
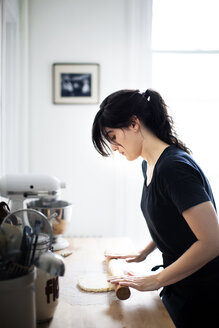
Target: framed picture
{"x":75,"y":83}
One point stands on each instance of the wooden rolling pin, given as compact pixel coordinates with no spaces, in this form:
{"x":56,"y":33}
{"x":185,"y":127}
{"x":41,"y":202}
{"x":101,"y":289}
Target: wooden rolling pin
{"x":115,"y":269}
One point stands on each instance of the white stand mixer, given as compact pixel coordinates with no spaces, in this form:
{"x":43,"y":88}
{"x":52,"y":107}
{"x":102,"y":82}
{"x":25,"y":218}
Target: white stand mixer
{"x":46,"y":189}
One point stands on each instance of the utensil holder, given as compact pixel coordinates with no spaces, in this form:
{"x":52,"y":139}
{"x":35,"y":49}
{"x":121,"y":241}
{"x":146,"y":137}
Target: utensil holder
{"x":18,"y":302}
{"x":47,"y":294}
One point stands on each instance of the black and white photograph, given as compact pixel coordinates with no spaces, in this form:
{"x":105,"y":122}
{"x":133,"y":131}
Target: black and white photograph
{"x":75,"y":83}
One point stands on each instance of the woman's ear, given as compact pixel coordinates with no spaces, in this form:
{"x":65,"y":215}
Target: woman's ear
{"x":135,"y":123}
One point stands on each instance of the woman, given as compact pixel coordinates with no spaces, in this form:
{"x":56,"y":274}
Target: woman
{"x":177,"y":203}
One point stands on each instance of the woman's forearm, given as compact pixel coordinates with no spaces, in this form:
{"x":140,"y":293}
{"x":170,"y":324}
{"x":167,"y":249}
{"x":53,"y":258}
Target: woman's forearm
{"x":151,"y":246}
{"x":200,"y":253}
{"x":191,"y":261}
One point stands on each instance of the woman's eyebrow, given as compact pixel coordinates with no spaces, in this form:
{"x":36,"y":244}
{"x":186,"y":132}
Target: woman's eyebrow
{"x":108,"y":132}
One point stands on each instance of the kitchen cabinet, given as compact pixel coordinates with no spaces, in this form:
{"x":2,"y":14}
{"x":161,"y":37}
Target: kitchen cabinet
{"x":80,"y":309}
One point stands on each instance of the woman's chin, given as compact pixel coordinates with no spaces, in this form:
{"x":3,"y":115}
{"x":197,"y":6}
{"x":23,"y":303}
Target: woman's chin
{"x":130,"y":158}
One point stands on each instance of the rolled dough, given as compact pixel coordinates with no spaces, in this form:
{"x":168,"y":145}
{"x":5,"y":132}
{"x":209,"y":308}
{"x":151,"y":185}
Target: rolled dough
{"x":95,"y":283}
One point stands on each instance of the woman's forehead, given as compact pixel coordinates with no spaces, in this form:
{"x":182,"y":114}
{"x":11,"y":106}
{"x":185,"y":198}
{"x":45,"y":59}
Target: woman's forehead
{"x":109,"y":130}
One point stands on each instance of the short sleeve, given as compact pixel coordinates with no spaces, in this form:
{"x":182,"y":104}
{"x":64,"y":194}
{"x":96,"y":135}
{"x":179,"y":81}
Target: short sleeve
{"x":144,"y":168}
{"x":184,"y":185}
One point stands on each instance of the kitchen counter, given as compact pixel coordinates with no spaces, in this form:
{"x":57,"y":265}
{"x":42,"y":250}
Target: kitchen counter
{"x":80,"y":309}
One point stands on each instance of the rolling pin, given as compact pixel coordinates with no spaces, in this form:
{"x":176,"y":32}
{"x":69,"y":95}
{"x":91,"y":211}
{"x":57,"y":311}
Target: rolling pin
{"x":115,"y":269}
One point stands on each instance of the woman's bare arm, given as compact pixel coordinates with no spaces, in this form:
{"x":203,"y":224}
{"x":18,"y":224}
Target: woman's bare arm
{"x":203,"y":221}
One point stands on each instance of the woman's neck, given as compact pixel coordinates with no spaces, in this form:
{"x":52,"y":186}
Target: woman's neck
{"x":152,"y":148}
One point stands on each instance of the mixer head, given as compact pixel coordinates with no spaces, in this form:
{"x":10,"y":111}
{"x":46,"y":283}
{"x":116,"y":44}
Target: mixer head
{"x":19,"y":187}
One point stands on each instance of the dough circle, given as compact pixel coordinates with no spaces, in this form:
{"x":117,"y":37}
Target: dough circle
{"x":95,"y":283}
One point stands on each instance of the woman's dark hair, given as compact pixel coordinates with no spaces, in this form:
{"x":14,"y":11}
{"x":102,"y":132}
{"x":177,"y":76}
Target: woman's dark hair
{"x":118,"y":110}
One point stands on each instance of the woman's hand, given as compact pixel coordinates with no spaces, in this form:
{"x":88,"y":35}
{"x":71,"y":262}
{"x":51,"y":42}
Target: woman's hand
{"x":146,"y":283}
{"x":138,"y":257}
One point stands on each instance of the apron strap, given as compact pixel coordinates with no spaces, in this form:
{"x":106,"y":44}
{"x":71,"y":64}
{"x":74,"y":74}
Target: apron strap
{"x":156,"y":267}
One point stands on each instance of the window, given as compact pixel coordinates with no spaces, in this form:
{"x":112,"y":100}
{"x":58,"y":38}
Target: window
{"x":185,"y":70}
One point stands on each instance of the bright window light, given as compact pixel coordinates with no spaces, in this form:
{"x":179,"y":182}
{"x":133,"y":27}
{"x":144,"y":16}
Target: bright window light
{"x":185,"y":24}
{"x":187,"y":76}
{"x":185,"y":70}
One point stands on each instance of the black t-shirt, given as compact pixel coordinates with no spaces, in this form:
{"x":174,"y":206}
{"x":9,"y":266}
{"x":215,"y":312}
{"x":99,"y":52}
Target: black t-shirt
{"x":177,"y":184}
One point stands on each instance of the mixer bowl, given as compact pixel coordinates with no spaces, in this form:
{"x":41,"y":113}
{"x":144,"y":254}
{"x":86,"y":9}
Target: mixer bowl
{"x":58,"y":212}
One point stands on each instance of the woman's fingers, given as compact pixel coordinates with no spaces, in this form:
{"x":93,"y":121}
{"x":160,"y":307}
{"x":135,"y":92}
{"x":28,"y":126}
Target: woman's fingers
{"x":125,"y":281}
{"x":118,"y":280}
{"x":132,"y":259}
{"x":120,"y":256}
{"x":130,"y":284}
{"x":145,"y":283}
{"x":110,"y":256}
{"x":129,"y":273}
{"x":138,"y":258}
{"x":114,"y":278}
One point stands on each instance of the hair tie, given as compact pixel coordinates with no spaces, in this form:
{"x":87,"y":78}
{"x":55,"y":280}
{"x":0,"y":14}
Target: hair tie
{"x":147,"y":95}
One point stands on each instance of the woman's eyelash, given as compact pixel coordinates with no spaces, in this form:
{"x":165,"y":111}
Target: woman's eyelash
{"x":113,"y":138}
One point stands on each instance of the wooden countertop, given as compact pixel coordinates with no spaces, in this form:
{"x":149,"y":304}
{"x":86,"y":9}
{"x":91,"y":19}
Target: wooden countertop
{"x":80,"y":309}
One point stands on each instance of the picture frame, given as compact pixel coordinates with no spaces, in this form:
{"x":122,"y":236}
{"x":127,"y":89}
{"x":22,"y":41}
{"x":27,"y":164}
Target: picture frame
{"x":76,"y":83}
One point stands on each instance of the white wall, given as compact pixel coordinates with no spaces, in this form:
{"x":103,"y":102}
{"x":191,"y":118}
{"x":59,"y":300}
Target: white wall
{"x":1,"y":109}
{"x":10,"y":129}
{"x":99,"y":31}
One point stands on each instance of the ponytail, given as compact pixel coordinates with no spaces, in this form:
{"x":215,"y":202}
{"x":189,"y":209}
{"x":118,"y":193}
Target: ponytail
{"x":161,"y":123}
